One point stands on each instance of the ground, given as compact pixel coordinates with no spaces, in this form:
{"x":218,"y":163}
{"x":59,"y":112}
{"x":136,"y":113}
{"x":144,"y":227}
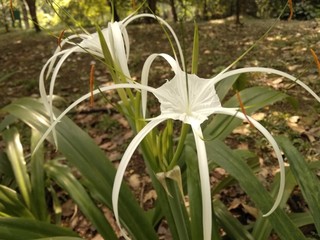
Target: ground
{"x":287,"y":48}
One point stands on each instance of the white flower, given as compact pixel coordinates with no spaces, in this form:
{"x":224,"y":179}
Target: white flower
{"x":189,"y":99}
{"x":117,"y":40}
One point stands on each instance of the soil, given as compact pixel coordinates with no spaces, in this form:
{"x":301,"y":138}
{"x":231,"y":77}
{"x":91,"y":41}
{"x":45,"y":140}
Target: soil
{"x":287,"y":48}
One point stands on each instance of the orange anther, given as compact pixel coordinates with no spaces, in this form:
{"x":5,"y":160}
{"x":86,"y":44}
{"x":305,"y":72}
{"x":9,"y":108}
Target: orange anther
{"x":243,"y":110}
{"x":291,"y":9}
{"x":60,"y":37}
{"x":316,"y":59}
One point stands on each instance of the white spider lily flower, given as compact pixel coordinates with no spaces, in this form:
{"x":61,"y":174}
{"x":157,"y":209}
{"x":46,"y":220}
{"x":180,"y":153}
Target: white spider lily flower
{"x":117,"y":40}
{"x":189,"y":99}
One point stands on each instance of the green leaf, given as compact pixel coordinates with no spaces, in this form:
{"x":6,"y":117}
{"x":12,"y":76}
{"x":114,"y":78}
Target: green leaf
{"x":179,"y":213}
{"x":8,"y":120}
{"x":81,"y":151}
{"x":15,"y":154}
{"x":194,"y":194}
{"x":223,"y":87}
{"x":60,"y":238}
{"x":6,"y":173}
{"x":62,"y":175}
{"x":307,"y":180}
{"x":231,"y":226}
{"x":241,"y":83}
{"x":301,"y":219}
{"x":11,"y":204}
{"x":39,"y":203}
{"x":225,"y":158}
{"x":262,"y":227}
{"x":28,"y":229}
{"x":255,"y":97}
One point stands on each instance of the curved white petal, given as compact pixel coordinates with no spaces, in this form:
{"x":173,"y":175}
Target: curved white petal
{"x":204,"y":182}
{"x":56,"y":70}
{"x":87,"y":96}
{"x":128,"y":20}
{"x":145,"y":74}
{"x":63,"y":42}
{"x":124,"y":163}
{"x":119,"y":48}
{"x":273,"y":143}
{"x":220,"y":77}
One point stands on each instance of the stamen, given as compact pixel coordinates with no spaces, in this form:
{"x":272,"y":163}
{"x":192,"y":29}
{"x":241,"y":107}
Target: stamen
{"x":91,"y":83}
{"x":243,"y":110}
{"x":291,"y":9}
{"x":316,"y":59}
{"x":60,"y":37}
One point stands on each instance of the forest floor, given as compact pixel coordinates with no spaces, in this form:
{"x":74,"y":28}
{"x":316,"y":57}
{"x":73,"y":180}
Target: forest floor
{"x":286,"y":48}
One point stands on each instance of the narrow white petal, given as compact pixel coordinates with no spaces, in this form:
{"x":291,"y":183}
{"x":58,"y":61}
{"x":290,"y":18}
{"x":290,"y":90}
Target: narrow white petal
{"x":145,"y":74}
{"x":118,"y":48}
{"x":204,"y":181}
{"x":273,"y":143}
{"x":123,"y":165}
{"x":128,"y":20}
{"x":85,"y":97}
{"x":63,"y":42}
{"x":220,"y":77}
{"x":56,"y":70}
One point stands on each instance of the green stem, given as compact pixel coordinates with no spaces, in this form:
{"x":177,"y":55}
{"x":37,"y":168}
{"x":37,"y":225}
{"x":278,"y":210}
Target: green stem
{"x":176,"y":156}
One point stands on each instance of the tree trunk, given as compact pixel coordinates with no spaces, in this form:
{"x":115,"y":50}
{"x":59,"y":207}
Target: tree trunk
{"x":152,"y":6}
{"x":152,"y":9}
{"x":24,"y":14}
{"x":205,"y":11}
{"x":4,"y":16}
{"x":173,"y":11}
{"x":238,"y":11}
{"x":33,"y":14}
{"x":112,"y":4}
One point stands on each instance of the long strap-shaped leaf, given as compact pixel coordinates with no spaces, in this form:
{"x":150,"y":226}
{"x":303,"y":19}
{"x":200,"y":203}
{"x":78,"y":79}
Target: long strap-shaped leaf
{"x":82,"y":152}
{"x":11,"y":204}
{"x":15,"y":154}
{"x":63,"y":176}
{"x":255,"y":97}
{"x":234,"y":165}
{"x":28,"y":229}
{"x":37,"y":178}
{"x":307,"y":180}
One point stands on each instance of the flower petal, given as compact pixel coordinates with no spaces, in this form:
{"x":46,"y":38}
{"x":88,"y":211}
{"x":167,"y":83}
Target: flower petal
{"x":124,"y":163}
{"x":128,"y":20}
{"x":273,"y":143}
{"x":118,"y":48}
{"x":204,"y":181}
{"x":145,"y":74}
{"x":85,"y":97}
{"x":220,"y":77}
